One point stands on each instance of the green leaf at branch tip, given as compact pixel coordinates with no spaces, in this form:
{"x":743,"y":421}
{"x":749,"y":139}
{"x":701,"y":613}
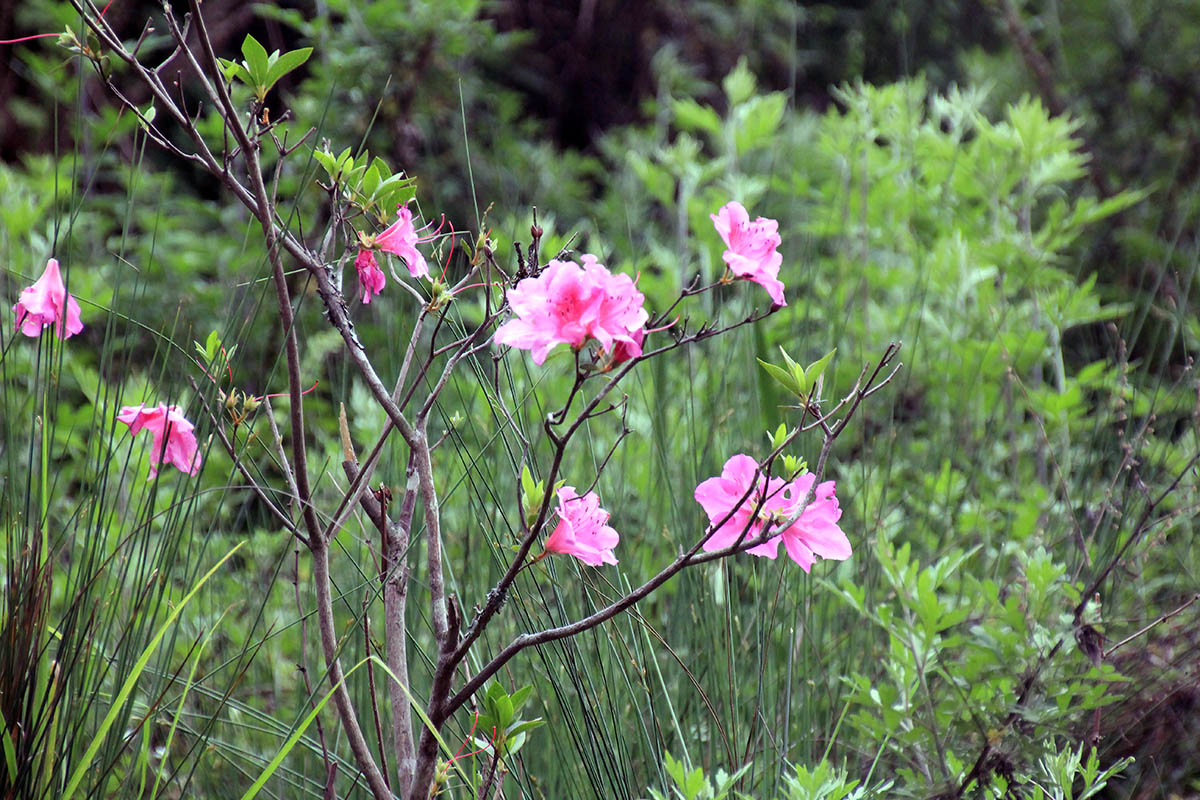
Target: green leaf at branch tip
{"x":520,"y":696}
{"x":147,"y":117}
{"x":235,"y":69}
{"x":533,"y":493}
{"x":778,"y":437}
{"x":816,"y":368}
{"x":257,"y":61}
{"x":784,"y":378}
{"x":211,"y":345}
{"x":85,"y":762}
{"x":740,"y":84}
{"x":280,"y":65}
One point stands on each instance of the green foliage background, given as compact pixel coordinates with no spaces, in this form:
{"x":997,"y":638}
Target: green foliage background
{"x":1038,"y":267}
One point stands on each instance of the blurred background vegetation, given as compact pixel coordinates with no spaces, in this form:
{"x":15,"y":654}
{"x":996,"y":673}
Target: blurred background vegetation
{"x":1009,"y":188}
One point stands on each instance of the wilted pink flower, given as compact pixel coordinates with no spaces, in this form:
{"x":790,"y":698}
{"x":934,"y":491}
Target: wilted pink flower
{"x":46,"y":302}
{"x":815,"y":533}
{"x":181,"y":450}
{"x":751,"y":254}
{"x":370,"y":276}
{"x":569,"y":304}
{"x":401,"y":239}
{"x":583,"y":529}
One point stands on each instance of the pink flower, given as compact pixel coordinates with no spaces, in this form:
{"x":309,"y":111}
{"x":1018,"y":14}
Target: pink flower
{"x":401,"y":239}
{"x":46,"y":302}
{"x":181,"y":450}
{"x":628,"y":350}
{"x":370,"y":276}
{"x":815,"y":534}
{"x":583,"y":529}
{"x":569,"y":304}
{"x":751,"y":252}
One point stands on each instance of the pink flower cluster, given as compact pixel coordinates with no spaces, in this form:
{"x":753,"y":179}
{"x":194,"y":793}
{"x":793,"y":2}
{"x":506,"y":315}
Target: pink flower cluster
{"x":582,"y":529}
{"x":751,"y":252}
{"x":46,"y":302}
{"x":771,"y":502}
{"x":569,"y":304}
{"x":165,"y":423}
{"x":400,"y":239}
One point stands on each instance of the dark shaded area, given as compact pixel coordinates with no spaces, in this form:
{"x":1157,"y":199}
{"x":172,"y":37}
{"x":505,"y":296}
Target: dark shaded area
{"x":588,"y":64}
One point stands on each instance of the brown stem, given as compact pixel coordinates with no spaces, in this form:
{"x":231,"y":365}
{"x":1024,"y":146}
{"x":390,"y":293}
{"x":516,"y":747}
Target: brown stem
{"x":317,"y":545}
{"x":333,"y":665}
{"x":395,"y":598}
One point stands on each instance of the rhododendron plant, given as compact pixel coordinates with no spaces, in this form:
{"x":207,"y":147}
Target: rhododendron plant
{"x":370,"y":276}
{"x":566,"y":301}
{"x":772,"y":502}
{"x":568,"y":304}
{"x":583,"y":529}
{"x":180,"y":451}
{"x":751,"y":252}
{"x":46,"y":302}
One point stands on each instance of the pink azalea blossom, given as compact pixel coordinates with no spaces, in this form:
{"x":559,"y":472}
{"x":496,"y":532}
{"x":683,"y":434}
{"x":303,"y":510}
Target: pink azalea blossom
{"x":583,"y":529}
{"x":751,"y":254}
{"x":569,"y":304}
{"x":46,"y":302}
{"x":815,"y":534}
{"x":401,"y":239}
{"x":628,"y":350}
{"x":370,"y":276}
{"x":181,"y":450}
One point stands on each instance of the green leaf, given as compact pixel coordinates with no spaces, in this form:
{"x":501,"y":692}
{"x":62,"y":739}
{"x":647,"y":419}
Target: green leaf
{"x":235,"y":69}
{"x":740,"y":84}
{"x":280,"y":65}
{"x":211,"y":345}
{"x":326,"y":160}
{"x":519,"y":697}
{"x":691,"y":116}
{"x":257,"y":61}
{"x":504,"y":712}
{"x":148,"y":117}
{"x":371,"y":180}
{"x":816,"y":368}
{"x":524,"y":725}
{"x":695,"y":783}
{"x":782,"y":377}
{"x":758,"y":120}
{"x":674,"y":769}
{"x":779,"y":436}
{"x":788,"y":359}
